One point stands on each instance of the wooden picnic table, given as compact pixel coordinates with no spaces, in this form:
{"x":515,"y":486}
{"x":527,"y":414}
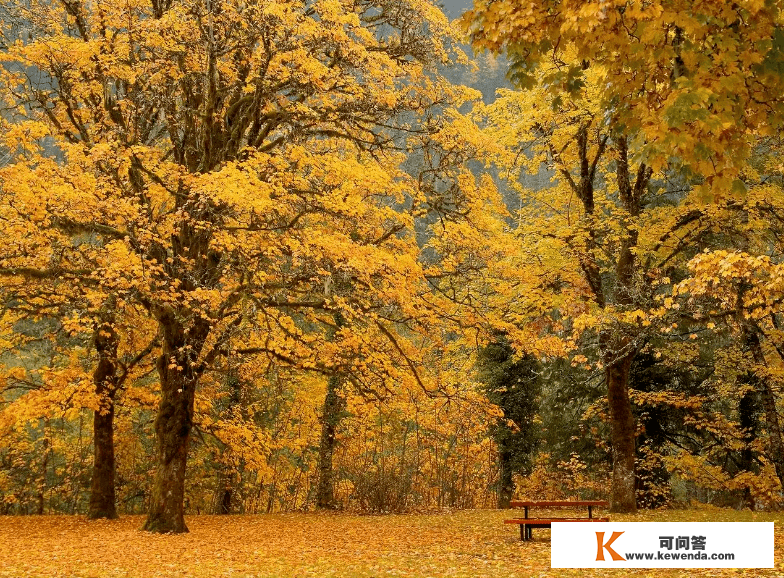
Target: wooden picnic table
{"x":527,"y":524}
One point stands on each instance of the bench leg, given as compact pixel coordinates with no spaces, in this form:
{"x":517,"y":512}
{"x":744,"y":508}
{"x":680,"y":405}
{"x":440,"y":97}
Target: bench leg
{"x":523,"y":533}
{"x":529,"y":530}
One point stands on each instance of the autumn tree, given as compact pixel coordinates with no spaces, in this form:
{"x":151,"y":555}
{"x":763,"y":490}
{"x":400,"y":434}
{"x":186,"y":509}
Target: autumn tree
{"x":741,"y":290}
{"x":683,"y":88}
{"x":582,"y":258}
{"x":596,"y":249}
{"x":692,"y":82}
{"x":231,"y":158}
{"x":513,"y":385}
{"x":47,"y":282}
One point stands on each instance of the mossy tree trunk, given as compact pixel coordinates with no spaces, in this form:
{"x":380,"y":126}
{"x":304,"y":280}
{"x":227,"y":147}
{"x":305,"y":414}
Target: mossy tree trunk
{"x":334,"y":405}
{"x":506,"y":479}
{"x":178,"y":377}
{"x":102,"y":492}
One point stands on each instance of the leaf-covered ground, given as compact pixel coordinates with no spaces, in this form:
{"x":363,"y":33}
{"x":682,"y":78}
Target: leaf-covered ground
{"x":463,"y":544}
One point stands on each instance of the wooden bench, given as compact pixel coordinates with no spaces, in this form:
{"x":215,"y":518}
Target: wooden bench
{"x":527,"y":524}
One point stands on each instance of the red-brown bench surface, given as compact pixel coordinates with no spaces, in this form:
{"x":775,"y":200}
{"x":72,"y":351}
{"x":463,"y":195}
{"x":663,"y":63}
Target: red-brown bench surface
{"x":556,"y":503}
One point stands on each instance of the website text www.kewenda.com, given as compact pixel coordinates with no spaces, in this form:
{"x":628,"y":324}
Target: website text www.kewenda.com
{"x":677,"y":556}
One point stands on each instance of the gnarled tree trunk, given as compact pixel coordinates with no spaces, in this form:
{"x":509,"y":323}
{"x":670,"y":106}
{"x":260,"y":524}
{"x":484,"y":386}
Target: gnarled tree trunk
{"x":174,"y":422}
{"x":172,"y":429}
{"x":183,"y":333}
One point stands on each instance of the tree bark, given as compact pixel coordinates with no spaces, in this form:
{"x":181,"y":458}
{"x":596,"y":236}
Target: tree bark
{"x":618,"y":347}
{"x":224,"y":504}
{"x":174,"y":422}
{"x":748,"y":425}
{"x":102,"y":493}
{"x":172,"y":429}
{"x":506,"y":483}
{"x":183,"y":333}
{"x":226,"y":474}
{"x":775,"y":445}
{"x":768,"y":399}
{"x":333,"y":409}
{"x":623,"y":498}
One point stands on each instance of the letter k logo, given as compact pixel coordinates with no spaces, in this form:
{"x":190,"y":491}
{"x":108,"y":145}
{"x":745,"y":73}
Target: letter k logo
{"x":601,"y":546}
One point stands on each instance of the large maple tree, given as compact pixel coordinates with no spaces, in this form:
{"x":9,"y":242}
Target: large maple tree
{"x":230,"y":161}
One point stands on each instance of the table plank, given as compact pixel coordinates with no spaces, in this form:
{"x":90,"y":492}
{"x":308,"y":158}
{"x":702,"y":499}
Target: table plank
{"x":557,"y":503}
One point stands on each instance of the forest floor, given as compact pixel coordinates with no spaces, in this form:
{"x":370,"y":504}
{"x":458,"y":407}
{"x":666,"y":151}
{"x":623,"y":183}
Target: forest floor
{"x":459,"y":544}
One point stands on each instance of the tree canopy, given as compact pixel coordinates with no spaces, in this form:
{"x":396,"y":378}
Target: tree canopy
{"x":280,"y":247}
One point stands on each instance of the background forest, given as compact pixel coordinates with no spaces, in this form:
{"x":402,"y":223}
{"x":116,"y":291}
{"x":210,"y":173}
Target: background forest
{"x":323,"y":256}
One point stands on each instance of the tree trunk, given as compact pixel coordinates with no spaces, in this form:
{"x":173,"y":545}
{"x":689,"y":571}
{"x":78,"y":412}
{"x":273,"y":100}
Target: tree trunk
{"x":623,"y":497}
{"x":775,"y":445}
{"x":44,"y":465}
{"x":102,"y":492}
{"x":333,"y":409}
{"x":506,"y":483}
{"x":768,"y":398}
{"x":172,"y":429}
{"x":224,"y":504}
{"x":619,"y":350}
{"x":747,"y":414}
{"x":183,"y":332}
{"x":226,"y":473}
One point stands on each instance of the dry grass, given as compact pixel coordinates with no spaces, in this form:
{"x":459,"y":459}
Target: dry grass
{"x":468,"y":544}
